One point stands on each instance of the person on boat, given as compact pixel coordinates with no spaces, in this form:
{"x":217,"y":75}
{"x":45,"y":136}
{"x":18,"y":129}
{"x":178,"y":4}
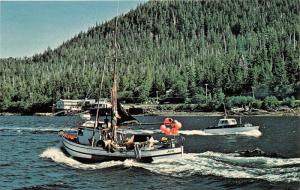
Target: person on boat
{"x":106,"y":121}
{"x":129,"y":143}
{"x":80,"y":131}
{"x":151,"y":142}
{"x":106,"y":125}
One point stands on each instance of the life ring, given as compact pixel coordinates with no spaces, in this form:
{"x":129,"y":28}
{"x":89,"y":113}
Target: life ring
{"x":69,"y":137}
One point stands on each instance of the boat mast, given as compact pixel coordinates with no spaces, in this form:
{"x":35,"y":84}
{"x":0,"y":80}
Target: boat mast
{"x":114,"y":110}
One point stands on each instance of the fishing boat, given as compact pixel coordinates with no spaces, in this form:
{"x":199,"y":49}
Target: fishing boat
{"x":97,"y":141}
{"x":230,"y":126}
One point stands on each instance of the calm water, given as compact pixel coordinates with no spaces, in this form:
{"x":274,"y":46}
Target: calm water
{"x":30,"y":157}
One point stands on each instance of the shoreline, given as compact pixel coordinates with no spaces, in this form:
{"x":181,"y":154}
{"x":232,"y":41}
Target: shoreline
{"x":221,"y":114}
{"x":295,"y":113}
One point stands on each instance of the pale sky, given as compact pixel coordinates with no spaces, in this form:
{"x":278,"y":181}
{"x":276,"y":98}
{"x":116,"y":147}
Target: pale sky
{"x":29,"y":27}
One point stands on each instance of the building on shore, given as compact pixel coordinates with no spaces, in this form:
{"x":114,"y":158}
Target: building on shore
{"x":81,"y":104}
{"x":73,"y":105}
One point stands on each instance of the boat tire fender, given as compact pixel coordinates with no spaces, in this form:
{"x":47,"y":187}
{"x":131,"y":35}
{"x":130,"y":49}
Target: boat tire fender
{"x":61,"y":133}
{"x":102,"y":144}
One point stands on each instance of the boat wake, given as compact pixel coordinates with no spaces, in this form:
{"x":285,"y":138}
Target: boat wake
{"x":207,"y":163}
{"x":254,"y":133}
{"x":58,"y":156}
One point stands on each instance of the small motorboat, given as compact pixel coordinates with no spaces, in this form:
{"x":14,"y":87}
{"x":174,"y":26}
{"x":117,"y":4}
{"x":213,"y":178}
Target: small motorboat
{"x":230,"y":126}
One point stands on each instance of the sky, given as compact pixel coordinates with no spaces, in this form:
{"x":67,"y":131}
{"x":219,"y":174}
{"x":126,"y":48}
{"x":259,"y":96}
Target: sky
{"x":30,"y":27}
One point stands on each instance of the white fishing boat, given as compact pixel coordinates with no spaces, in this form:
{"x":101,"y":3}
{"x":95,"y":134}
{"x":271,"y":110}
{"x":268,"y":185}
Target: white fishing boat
{"x":230,"y":126}
{"x":90,"y":144}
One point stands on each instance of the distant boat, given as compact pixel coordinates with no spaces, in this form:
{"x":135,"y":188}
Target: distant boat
{"x":230,"y":126}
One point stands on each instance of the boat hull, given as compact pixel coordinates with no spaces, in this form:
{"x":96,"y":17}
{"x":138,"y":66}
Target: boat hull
{"x":87,"y":153}
{"x":234,"y":130}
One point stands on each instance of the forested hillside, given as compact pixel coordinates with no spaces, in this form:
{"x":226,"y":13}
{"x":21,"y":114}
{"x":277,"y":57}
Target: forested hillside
{"x":235,"y":47}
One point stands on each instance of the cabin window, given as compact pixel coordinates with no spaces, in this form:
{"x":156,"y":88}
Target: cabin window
{"x":80,"y":132}
{"x":224,"y":122}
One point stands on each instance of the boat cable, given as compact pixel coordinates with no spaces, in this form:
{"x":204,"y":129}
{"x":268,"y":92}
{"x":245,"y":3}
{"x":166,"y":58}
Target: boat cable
{"x":98,"y":107}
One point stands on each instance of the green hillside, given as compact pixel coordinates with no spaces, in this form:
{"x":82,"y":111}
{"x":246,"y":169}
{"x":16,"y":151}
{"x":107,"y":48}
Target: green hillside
{"x":176,"y":46}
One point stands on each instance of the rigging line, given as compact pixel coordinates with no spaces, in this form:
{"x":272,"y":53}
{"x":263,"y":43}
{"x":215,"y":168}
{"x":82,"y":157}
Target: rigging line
{"x":98,"y":106}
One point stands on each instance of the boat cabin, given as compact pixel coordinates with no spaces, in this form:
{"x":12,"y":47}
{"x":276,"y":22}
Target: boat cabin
{"x":86,"y":131}
{"x":227,"y":123}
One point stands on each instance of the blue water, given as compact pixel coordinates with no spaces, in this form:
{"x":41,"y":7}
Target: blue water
{"x":30,"y":157}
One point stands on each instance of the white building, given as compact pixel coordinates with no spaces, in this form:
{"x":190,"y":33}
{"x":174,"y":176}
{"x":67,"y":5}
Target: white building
{"x":103,"y":103}
{"x":74,"y":105}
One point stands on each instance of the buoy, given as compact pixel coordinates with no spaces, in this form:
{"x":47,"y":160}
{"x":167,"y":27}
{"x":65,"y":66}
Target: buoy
{"x":174,"y":131}
{"x":162,"y":128}
{"x":168,"y":131}
{"x":177,"y":124}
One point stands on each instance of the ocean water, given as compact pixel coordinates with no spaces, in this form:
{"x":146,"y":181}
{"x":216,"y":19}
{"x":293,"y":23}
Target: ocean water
{"x":30,"y":157}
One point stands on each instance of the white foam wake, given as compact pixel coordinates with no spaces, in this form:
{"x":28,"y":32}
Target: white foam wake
{"x":144,"y":131}
{"x":227,"y":166}
{"x":207,"y":163}
{"x":58,"y":156}
{"x":254,"y":133}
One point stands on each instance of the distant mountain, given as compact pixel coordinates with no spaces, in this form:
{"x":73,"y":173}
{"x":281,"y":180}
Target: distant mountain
{"x":168,"y":46}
